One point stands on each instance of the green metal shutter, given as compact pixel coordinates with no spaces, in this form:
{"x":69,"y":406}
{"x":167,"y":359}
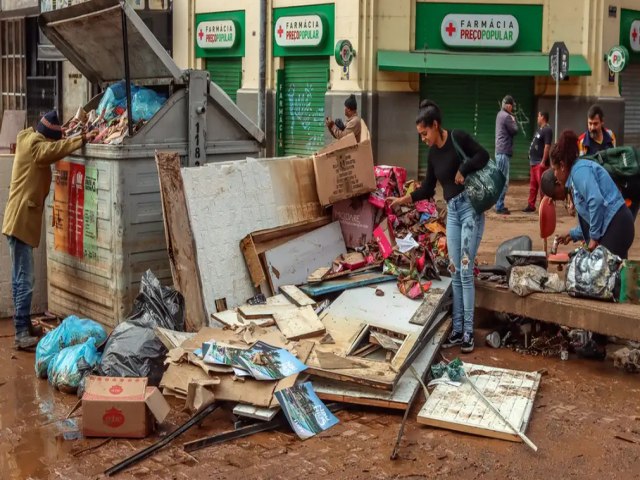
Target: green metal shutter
{"x":227,"y":74}
{"x":305,"y":86}
{"x":472,"y":103}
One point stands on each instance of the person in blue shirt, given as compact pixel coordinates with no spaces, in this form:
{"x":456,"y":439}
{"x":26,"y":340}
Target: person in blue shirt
{"x":603,"y":215}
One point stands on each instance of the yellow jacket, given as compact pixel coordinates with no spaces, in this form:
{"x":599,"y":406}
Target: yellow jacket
{"x":30,"y":183}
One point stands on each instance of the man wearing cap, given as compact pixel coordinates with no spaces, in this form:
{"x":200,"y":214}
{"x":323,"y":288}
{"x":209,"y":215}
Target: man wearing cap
{"x":353,"y":120}
{"x":506,"y":129}
{"x":36,"y":150}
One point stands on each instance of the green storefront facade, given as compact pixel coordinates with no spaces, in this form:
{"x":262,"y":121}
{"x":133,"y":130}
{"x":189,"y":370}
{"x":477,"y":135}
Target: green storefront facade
{"x":220,"y":41}
{"x":303,"y":37}
{"x":630,"y":76}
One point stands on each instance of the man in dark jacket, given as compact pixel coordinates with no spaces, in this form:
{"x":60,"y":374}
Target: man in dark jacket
{"x":506,"y":129}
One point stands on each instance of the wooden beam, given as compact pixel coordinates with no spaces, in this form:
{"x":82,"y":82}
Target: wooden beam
{"x":607,"y":318}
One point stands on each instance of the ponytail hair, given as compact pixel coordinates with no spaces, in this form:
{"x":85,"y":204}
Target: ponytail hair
{"x":428,"y":114}
{"x":565,"y":151}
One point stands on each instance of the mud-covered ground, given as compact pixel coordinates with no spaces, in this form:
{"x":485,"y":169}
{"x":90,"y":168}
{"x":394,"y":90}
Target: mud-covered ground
{"x":580,"y":408}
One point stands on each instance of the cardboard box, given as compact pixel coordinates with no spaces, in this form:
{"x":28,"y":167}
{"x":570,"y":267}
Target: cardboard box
{"x":344,"y":170}
{"x":121,"y":407}
{"x":356,"y":217}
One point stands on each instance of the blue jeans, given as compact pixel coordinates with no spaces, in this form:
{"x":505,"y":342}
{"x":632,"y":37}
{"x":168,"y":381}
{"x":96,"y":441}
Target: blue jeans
{"x":464,"y":232}
{"x":503,"y":162}
{"x":21,"y":283}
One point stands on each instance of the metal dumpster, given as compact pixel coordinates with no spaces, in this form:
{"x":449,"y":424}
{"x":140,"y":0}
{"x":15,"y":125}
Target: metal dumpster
{"x":198,"y":121}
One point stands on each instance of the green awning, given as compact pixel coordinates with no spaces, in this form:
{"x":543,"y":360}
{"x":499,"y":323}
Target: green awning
{"x":474,"y":63}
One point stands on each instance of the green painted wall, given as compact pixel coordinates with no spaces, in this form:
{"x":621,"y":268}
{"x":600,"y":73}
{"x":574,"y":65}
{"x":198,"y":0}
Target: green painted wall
{"x":626,"y":19}
{"x":326,"y":13}
{"x":238,"y":49}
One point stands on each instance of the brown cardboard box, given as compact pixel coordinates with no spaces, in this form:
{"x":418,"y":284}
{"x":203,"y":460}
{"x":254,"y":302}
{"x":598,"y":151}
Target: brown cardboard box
{"x":344,"y":170}
{"x":121,"y":407}
{"x":356,"y":217}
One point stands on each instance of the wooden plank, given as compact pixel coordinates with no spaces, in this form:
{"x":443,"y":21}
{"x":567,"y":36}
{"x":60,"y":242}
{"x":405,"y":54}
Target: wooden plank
{"x":614,"y":319}
{"x":180,"y":242}
{"x":354,"y":281}
{"x":230,"y":318}
{"x":257,"y":242}
{"x":278,"y":300}
{"x":399,"y":398}
{"x":171,"y":338}
{"x":292,"y":262}
{"x":299,"y":323}
{"x":433,"y":302}
{"x":262,"y":311}
{"x":296,"y":295}
{"x":384,"y":341}
{"x":512,"y":392}
{"x":257,"y":413}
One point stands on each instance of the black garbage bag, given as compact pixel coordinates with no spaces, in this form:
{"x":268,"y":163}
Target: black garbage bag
{"x":133,"y":349}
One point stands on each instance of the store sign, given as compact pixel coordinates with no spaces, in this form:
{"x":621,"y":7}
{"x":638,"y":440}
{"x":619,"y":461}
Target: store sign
{"x":216,"y":34}
{"x":479,"y":31}
{"x":299,"y":31}
{"x":617,"y":58}
{"x":634,"y":36}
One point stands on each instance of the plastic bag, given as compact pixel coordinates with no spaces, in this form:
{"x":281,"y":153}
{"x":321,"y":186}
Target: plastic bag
{"x":145,"y":104}
{"x":72,"y":331}
{"x":133,"y":349}
{"x":533,"y":278}
{"x":594,"y":274}
{"x":72,"y":363}
{"x":113,"y":101}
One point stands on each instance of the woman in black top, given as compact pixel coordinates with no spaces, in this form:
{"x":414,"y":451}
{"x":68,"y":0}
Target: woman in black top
{"x":464,"y":225}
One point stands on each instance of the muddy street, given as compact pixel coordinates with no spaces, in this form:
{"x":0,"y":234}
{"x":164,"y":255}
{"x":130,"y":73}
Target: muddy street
{"x":580,"y":410}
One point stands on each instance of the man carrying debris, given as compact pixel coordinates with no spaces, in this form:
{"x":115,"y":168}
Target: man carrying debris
{"x":338,"y":129}
{"x":36,"y":150}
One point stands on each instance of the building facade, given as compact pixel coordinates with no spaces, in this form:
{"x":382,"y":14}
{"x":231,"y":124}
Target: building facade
{"x":464,"y":55}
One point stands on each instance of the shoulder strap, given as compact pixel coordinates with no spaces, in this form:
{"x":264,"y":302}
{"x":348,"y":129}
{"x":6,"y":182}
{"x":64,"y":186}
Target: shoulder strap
{"x":460,"y":151}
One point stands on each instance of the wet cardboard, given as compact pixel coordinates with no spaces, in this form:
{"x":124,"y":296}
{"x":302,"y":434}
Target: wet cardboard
{"x":121,"y":407}
{"x":356,"y":217}
{"x":344,"y":169}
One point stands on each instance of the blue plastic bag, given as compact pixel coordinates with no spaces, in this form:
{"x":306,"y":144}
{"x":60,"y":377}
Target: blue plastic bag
{"x":72,"y":331}
{"x":145,"y":104}
{"x":114,"y":100}
{"x":68,"y":368}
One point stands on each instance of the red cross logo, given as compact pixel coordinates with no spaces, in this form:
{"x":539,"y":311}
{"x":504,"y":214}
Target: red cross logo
{"x":200,"y":34}
{"x":450,"y":29}
{"x":280,"y":31}
{"x":634,"y":34}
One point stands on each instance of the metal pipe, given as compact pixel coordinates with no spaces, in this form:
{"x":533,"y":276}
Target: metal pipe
{"x":262,"y":84}
{"x":557,"y":92}
{"x":127,"y":72}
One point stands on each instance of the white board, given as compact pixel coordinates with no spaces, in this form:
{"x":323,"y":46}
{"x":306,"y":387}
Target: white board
{"x":292,"y":262}
{"x":512,"y":392}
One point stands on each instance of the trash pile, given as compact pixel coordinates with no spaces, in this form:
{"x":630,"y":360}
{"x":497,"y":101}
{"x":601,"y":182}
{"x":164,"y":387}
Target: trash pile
{"x":110,"y":118}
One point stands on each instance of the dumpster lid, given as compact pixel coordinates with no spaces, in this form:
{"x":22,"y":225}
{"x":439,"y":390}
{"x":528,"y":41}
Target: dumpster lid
{"x":89,"y":35}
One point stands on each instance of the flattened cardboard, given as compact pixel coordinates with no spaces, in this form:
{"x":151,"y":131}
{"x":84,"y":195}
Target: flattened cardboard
{"x":344,"y":169}
{"x":121,"y":407}
{"x":356,"y":217}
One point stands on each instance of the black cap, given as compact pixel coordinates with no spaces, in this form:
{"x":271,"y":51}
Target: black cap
{"x":351,"y":102}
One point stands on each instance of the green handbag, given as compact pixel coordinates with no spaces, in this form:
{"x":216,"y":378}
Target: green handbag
{"x":483,"y":186}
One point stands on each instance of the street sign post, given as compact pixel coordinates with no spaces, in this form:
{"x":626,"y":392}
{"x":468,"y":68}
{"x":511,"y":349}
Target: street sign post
{"x":558,"y":69}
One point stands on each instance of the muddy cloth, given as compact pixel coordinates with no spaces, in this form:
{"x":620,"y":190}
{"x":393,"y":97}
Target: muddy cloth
{"x":133,"y":349}
{"x":529,"y":279}
{"x":594,"y":274}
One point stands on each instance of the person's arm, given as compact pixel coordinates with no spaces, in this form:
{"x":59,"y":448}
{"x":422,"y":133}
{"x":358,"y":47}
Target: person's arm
{"x":351,"y":127}
{"x":613,"y":137}
{"x":576,"y":234}
{"x":547,"y":137}
{"x":585,"y":183}
{"x":477,"y":156}
{"x":510,"y":124}
{"x":427,"y":188}
{"x":45,"y":153}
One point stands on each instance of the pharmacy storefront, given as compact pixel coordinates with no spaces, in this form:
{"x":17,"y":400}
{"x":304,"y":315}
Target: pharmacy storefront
{"x":220,"y":42}
{"x":303,"y":37}
{"x":630,"y":76}
{"x":469,"y":57}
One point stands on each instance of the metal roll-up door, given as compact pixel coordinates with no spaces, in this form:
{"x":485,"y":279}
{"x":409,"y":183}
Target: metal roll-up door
{"x":630,"y":90}
{"x":472,"y":103}
{"x":305,"y":87}
{"x":227,"y":74}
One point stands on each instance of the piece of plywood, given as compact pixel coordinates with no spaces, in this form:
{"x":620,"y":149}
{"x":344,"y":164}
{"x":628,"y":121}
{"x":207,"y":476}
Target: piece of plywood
{"x":262,"y":311}
{"x":406,"y":388}
{"x":299,"y":323}
{"x":460,"y":408}
{"x":180,"y":241}
{"x":347,"y":283}
{"x":292,"y":262}
{"x":279,"y":299}
{"x":257,"y":413}
{"x":230,"y":318}
{"x":296,"y":295}
{"x":171,"y":338}
{"x":434,"y":301}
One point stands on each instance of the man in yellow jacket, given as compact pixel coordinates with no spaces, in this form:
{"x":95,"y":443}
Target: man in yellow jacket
{"x":36,"y":150}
